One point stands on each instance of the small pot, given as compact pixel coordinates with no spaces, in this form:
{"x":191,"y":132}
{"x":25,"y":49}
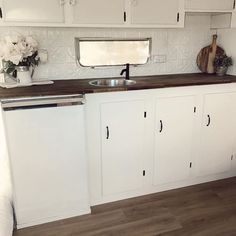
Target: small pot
{"x":221,"y":71}
{"x":23,"y":75}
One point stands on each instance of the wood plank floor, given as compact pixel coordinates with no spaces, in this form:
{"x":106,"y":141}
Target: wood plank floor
{"x":202,"y":210}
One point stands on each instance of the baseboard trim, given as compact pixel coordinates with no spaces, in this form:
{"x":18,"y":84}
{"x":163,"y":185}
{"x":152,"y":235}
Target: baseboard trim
{"x":65,"y":215}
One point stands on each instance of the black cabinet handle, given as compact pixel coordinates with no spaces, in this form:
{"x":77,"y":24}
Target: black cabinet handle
{"x":108,"y":132}
{"x":209,"y":120}
{"x":178,"y":17}
{"x":0,"y":12}
{"x":161,"y":128}
{"x":125,"y":16}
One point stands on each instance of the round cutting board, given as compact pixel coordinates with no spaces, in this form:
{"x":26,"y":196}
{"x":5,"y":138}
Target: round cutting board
{"x":206,"y":56}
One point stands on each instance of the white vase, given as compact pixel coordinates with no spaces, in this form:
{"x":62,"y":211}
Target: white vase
{"x":23,"y":75}
{"x":2,"y":77}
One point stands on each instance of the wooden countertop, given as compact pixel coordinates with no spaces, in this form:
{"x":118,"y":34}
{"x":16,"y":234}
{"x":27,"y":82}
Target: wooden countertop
{"x":69,"y":87}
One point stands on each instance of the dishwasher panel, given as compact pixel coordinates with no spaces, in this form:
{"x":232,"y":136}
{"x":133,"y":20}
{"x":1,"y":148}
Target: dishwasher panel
{"x":48,"y":160}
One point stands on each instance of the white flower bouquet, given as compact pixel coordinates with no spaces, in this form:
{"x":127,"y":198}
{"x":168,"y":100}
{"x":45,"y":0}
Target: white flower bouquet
{"x":18,"y":51}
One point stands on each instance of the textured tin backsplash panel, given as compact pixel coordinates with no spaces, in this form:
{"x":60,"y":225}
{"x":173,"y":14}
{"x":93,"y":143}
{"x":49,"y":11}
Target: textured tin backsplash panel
{"x":180,"y":46}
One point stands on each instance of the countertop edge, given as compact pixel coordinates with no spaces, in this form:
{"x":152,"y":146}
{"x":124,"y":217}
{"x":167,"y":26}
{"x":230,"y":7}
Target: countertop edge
{"x":82,"y":86}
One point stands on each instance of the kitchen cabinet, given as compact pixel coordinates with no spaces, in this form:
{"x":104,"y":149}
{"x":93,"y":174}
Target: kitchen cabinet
{"x":217,"y":135}
{"x":148,"y":141}
{"x":209,"y":5}
{"x":155,"y":12}
{"x":91,"y":13}
{"x":233,"y":157}
{"x":233,"y":161}
{"x":48,"y":161}
{"x":98,"y":12}
{"x":173,"y":138}
{"x":43,"y":11}
{"x":122,"y":126}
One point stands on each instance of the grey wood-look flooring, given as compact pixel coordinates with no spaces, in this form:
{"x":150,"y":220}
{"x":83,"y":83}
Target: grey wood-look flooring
{"x":203,"y":210}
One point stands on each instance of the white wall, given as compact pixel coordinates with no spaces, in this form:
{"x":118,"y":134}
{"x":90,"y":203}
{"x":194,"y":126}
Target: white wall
{"x":227,"y":39}
{"x":179,"y":45}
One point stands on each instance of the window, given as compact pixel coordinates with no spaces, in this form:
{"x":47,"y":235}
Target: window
{"x":112,"y":52}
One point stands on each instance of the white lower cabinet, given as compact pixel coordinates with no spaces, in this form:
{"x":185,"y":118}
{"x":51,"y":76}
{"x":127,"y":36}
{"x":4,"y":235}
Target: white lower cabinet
{"x":233,"y":161}
{"x":122,"y":132}
{"x":148,"y":141}
{"x":217,"y":135}
{"x":173,"y":138}
{"x":233,"y":131}
{"x":138,"y":142}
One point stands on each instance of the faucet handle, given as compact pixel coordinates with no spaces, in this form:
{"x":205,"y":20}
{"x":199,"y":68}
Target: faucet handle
{"x":126,"y":71}
{"x":123,"y":71}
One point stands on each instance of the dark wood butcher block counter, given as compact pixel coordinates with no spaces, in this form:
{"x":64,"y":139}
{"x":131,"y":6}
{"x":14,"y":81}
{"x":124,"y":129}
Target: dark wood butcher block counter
{"x":69,"y":87}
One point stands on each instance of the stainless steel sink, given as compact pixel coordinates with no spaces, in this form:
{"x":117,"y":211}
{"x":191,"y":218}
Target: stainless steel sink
{"x":112,"y":82}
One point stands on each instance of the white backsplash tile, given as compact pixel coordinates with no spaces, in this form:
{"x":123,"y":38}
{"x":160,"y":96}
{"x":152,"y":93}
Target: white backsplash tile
{"x":179,"y":45}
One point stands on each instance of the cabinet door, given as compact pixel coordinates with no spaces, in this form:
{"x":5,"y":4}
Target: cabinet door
{"x":233,"y":162}
{"x":173,"y":138}
{"x":217,"y":135}
{"x":233,"y":131}
{"x":154,"y":12}
{"x":99,"y":12}
{"x":122,"y":146}
{"x":34,"y":10}
{"x":209,"y":4}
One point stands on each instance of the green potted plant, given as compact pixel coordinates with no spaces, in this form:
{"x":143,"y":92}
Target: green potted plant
{"x":222,"y":63}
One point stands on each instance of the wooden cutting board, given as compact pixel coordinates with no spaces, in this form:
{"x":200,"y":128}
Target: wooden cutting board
{"x":206,"y":57}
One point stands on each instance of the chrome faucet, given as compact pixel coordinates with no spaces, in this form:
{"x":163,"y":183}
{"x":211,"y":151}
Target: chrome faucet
{"x":126,"y":71}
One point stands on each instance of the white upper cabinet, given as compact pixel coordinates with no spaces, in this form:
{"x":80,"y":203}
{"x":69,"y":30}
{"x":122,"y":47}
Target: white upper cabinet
{"x":155,"y":12}
{"x":122,"y":146}
{"x":216,"y":136}
{"x":173,"y":139}
{"x":94,"y":13}
{"x":34,"y":11}
{"x":98,"y":11}
{"x":209,"y":5}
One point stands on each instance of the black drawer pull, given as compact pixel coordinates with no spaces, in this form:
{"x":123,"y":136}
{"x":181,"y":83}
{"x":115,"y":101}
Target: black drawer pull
{"x":161,"y":128}
{"x":209,"y":120}
{"x":108,"y":132}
